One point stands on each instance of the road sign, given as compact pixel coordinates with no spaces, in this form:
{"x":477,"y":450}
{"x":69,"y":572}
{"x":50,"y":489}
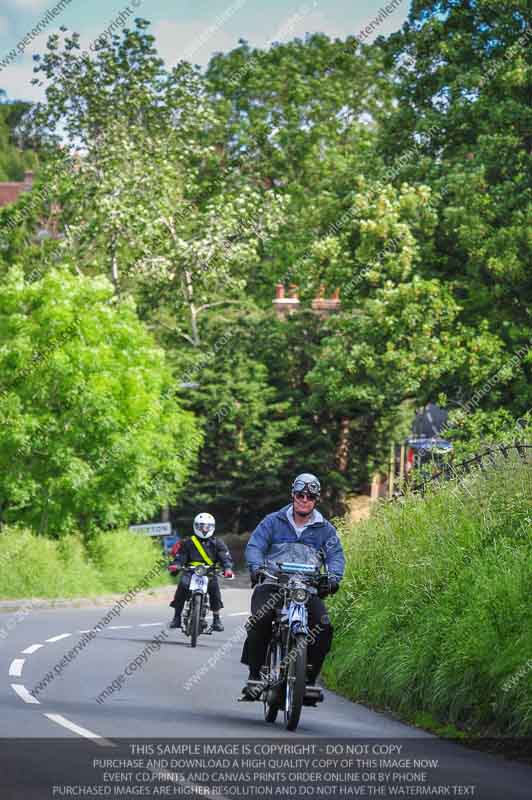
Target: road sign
{"x":153,"y":529}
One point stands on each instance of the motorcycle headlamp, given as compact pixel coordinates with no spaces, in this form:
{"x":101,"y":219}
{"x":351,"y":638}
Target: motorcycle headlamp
{"x":300,"y":595}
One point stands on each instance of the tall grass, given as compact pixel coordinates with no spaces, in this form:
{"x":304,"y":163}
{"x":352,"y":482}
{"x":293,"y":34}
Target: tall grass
{"x":434,"y":616}
{"x":34,"y":566}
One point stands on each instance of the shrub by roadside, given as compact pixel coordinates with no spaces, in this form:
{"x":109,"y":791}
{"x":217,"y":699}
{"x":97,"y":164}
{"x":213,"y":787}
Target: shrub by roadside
{"x":434,"y":616}
{"x":35,"y":566}
{"x":124,"y":558}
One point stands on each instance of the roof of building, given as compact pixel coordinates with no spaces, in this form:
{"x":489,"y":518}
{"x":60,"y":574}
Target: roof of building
{"x":9,"y":192}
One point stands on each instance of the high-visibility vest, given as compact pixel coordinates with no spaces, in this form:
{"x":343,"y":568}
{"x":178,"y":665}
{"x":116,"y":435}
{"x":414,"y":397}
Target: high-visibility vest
{"x":201,"y":550}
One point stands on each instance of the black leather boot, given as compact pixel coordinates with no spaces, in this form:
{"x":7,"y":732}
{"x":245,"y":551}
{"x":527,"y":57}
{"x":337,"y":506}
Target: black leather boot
{"x":217,"y":623}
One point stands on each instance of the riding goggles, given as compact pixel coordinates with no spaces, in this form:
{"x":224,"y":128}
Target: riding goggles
{"x":312,"y":488}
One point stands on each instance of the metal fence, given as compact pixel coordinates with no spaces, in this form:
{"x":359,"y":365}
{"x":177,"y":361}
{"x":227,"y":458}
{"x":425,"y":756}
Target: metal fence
{"x":480,"y":462}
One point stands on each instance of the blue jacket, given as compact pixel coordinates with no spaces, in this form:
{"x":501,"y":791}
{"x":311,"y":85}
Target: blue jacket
{"x":274,"y":535}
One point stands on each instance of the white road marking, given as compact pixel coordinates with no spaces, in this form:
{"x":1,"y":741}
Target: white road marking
{"x":240,"y":614}
{"x":150,"y":624}
{"x":23,"y":693}
{"x":71,"y":726}
{"x":15,"y":668}
{"x":32,"y":649}
{"x":57,"y":638}
{"x":85,"y":631}
{"x":119,"y":627}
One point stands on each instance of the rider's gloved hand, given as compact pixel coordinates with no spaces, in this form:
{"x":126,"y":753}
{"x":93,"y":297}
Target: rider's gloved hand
{"x":254,"y":576}
{"x":328,"y":585}
{"x":172,"y":568}
{"x":228,"y":573}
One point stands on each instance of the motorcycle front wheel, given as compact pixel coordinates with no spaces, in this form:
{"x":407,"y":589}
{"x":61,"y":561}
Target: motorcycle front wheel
{"x":195,"y":614}
{"x":295,"y":681}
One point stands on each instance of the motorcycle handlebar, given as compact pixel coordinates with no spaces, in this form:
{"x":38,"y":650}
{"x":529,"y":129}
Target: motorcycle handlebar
{"x":211,"y":571}
{"x":315,"y":579}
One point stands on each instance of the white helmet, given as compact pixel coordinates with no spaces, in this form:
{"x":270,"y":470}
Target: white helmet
{"x":204,"y":525}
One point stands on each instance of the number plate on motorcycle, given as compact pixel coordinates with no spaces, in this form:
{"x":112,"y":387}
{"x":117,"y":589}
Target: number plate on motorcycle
{"x":198,"y":583}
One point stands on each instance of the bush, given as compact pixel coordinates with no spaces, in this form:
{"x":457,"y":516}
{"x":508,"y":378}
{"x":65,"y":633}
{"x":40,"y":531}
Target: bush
{"x":35,"y":566}
{"x":435,"y":615}
{"x":123,"y":559}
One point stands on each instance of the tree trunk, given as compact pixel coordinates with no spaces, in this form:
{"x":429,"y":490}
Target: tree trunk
{"x":114,"y":268}
{"x":342,"y":450}
{"x":189,"y":293}
{"x":43,"y":526}
{"x":189,"y":288}
{"x":238,"y":514}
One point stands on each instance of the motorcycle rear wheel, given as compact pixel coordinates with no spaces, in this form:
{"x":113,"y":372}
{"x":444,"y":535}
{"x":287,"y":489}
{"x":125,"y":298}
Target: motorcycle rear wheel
{"x":272,"y":695}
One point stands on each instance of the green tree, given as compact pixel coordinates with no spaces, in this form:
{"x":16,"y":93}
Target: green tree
{"x":263,"y":420}
{"x":462,"y":125}
{"x":405,"y":343}
{"x":248,"y":426}
{"x":16,"y":155}
{"x":400,"y":338}
{"x":320,"y":442}
{"x":302,"y":116}
{"x":91,"y":433}
{"x":146,"y":195}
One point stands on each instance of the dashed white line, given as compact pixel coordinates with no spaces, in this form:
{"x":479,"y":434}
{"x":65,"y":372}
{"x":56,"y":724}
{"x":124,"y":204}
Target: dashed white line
{"x":15,"y":668}
{"x":71,"y":726}
{"x":32,"y":649}
{"x":239,"y":614}
{"x":119,"y":627}
{"x":57,"y":638}
{"x":150,"y":624}
{"x":85,"y":631}
{"x":23,"y":693}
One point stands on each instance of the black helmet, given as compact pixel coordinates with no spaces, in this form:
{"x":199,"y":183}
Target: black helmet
{"x":307,"y":482}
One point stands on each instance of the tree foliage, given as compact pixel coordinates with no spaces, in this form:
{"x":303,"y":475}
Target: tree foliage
{"x":398,"y":173}
{"x":16,"y":155}
{"x":90,"y":426}
{"x":465,"y":75}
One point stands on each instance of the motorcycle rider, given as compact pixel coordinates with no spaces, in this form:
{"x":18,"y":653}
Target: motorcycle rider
{"x":203,"y":548}
{"x":297,"y":528}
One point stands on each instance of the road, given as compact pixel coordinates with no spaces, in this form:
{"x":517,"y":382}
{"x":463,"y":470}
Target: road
{"x":167,"y":697}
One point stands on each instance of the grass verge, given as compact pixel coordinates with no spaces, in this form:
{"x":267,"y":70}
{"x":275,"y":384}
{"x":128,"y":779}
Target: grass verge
{"x":434,"y":619}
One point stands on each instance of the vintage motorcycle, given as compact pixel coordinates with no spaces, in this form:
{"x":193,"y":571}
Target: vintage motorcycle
{"x":197,"y":604}
{"x":284,"y":675}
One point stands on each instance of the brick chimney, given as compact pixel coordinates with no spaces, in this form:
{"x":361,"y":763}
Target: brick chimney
{"x":284,"y":306}
{"x":324,"y":306}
